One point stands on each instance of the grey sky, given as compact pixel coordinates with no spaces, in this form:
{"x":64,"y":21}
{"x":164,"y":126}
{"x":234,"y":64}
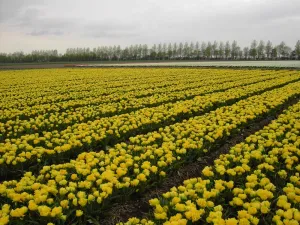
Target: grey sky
{"x":59,"y":24}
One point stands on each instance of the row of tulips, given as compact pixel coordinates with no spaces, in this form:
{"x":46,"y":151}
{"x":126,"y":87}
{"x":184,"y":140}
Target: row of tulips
{"x":82,"y":186}
{"x":148,"y":82}
{"x":103,"y":106}
{"x":17,"y":154}
{"x":85,"y":92}
{"x":101,"y":95}
{"x":257,"y":182}
{"x":33,"y":83}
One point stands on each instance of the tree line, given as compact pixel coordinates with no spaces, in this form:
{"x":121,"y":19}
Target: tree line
{"x":163,"y":51}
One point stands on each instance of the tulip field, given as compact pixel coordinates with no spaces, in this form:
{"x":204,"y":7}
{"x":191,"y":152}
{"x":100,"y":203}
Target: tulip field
{"x":74,"y":142}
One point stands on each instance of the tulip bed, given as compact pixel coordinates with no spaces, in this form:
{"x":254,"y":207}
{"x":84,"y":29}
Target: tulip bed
{"x":105,"y":106}
{"x":65,"y":117}
{"x":17,"y":154}
{"x":257,"y":182}
{"x":84,"y":91}
{"x":67,"y":155}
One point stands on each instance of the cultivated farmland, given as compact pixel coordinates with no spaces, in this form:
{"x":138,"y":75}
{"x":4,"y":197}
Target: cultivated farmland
{"x":90,"y":146}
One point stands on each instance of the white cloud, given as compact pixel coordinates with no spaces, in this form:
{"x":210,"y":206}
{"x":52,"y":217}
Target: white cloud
{"x":41,"y":24}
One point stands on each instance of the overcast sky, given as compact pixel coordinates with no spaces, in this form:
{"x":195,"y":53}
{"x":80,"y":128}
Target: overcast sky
{"x":59,"y":24}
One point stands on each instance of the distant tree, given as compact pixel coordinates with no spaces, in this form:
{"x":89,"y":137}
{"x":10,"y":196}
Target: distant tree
{"x":118,"y":51}
{"x":283,"y":50}
{"x":136,"y":52}
{"x":261,"y":50}
{"x":246,"y":52}
{"x":297,"y":49}
{"x":208,"y":50}
{"x":288,"y":52}
{"x":240,"y":53}
{"x":114,"y":52}
{"x":175,"y":52}
{"x":153,"y":52}
{"x":144,"y":51}
{"x":129,"y":52}
{"x":197,"y":50}
{"x":192,"y":50}
{"x":227,"y":50}
{"x":253,"y":49}
{"x":221,"y":50}
{"x":269,"y":49}
{"x":180,"y":49}
{"x":280,"y":49}
{"x":214,"y":49}
{"x":203,"y":49}
{"x":160,"y":51}
{"x":140,"y":52}
{"x":186,"y":50}
{"x":170,"y":51}
{"x":111,"y":53}
{"x":164,"y":50}
{"x":274,"y":53}
{"x":234,"y":50}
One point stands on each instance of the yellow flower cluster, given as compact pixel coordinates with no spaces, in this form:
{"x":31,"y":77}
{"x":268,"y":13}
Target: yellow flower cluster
{"x":35,"y":87}
{"x":248,"y":175}
{"x":79,"y":88}
{"x":288,"y":211}
{"x":93,"y":107}
{"x":95,"y":176}
{"x":4,"y":214}
{"x":51,"y":146}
